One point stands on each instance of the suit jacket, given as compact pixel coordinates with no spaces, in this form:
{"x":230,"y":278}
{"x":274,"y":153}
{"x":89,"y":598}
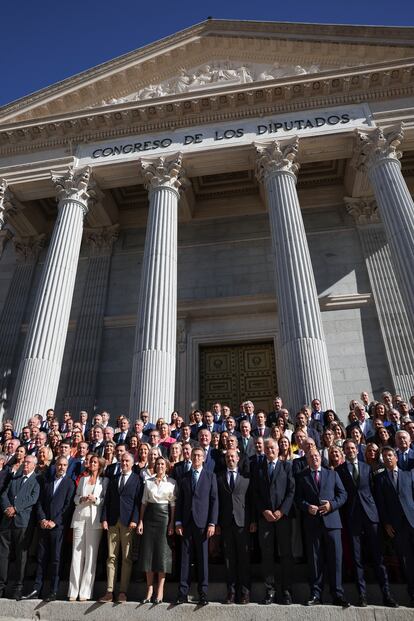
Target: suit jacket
{"x":212,"y":460}
{"x":360,"y":497}
{"x":300,"y":463}
{"x":87,"y":512}
{"x":99,"y":450}
{"x":124,"y":506}
{"x":406,"y":465}
{"x":277,"y":493}
{"x":110,"y":470}
{"x":249,"y":451}
{"x":202,"y":504}
{"x":244,"y":464}
{"x":4,"y":478}
{"x":23,"y":497}
{"x":252,"y":421}
{"x":117,"y":437}
{"x":56,"y":507}
{"x":178,"y":471}
{"x":393,"y":504}
{"x":234,"y":505}
{"x":330,"y":488}
{"x":72,"y":461}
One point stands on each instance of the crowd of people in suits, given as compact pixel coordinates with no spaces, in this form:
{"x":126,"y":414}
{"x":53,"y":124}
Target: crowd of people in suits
{"x":171,"y":494}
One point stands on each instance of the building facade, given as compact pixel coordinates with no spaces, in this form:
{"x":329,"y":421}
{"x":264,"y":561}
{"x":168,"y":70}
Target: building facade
{"x":224,"y":214}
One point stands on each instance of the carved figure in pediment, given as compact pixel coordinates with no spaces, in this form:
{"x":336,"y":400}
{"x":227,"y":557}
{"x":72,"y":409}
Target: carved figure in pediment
{"x":151,"y":91}
{"x":221,"y":74}
{"x":299,"y":70}
{"x":272,"y":73}
{"x":181,"y":83}
{"x":244,"y":75}
{"x":203,"y":76}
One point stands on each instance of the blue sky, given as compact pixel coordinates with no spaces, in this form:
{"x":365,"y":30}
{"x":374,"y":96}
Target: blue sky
{"x":44,"y":42}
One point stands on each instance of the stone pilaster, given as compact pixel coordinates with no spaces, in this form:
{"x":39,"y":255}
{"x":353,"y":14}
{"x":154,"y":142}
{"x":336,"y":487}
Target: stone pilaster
{"x":39,"y":371}
{"x":377,"y":154}
{"x":395,"y":326}
{"x":27,"y":253}
{"x":6,"y":202}
{"x":81,"y":389}
{"x":305,"y":372}
{"x":154,"y":362}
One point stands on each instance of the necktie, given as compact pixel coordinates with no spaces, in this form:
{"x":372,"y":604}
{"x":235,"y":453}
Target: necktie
{"x":232,"y":480}
{"x":271,"y":469}
{"x":245,"y":441}
{"x":187,"y":466}
{"x":194,"y":479}
{"x":355,"y":474}
{"x":395,"y":478}
{"x":316,"y":477}
{"x":122,"y":484}
{"x":261,"y":432}
{"x":24,"y":479}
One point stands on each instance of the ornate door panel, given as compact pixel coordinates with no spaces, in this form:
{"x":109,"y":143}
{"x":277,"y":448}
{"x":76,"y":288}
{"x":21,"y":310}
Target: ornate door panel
{"x":233,"y":373}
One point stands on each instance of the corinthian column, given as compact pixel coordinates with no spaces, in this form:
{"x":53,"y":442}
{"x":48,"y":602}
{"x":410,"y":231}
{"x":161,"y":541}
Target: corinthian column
{"x":305,"y":372}
{"x":81,"y":391}
{"x":40,"y":367}
{"x":377,"y":155}
{"x":395,"y":326}
{"x":154,"y":362}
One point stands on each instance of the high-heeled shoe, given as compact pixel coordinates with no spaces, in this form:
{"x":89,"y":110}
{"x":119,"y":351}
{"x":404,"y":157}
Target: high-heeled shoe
{"x":157,"y":601}
{"x":146,"y":601}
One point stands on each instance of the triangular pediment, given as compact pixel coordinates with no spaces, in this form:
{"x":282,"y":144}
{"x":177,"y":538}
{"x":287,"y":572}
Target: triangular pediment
{"x":212,"y":55}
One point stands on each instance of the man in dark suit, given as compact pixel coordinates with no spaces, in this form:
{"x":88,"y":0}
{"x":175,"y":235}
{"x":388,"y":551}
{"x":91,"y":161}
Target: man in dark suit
{"x":184,"y":466}
{"x":234,"y":524}
{"x":299,"y":464}
{"x":196,"y":517}
{"x":405,"y":454}
{"x":79,"y":460}
{"x":394,"y":493}
{"x":246,"y":440}
{"x":319,"y":495}
{"x":54,"y":509}
{"x":63,"y":451}
{"x":248,"y":414}
{"x":144,"y":416}
{"x":211,"y":455}
{"x":362,"y":520}
{"x":123,"y":436}
{"x":221,"y":465}
{"x":260,"y":428}
{"x":274,"y":488}
{"x":313,"y":429}
{"x":16,"y":527}
{"x":114,"y":470}
{"x":97,"y":444}
{"x":208,"y":423}
{"x":120,"y":515}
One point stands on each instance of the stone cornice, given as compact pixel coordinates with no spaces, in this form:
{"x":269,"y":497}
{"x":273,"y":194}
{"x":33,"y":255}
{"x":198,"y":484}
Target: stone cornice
{"x":299,"y":93}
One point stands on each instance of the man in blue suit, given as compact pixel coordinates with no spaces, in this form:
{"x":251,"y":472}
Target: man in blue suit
{"x":405,"y":454}
{"x":274,"y":489}
{"x":319,"y":495}
{"x":394,"y":493}
{"x":53,"y":513}
{"x":120,"y":515}
{"x":16,"y":527}
{"x":362,"y":519}
{"x":196,"y":516}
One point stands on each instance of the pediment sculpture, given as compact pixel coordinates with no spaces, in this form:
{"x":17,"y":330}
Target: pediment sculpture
{"x":214,"y":75}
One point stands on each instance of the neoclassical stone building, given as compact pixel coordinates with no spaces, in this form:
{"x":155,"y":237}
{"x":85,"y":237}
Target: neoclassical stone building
{"x":225,"y":213}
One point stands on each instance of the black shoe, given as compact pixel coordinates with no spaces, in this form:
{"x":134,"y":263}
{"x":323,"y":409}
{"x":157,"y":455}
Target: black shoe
{"x":389,"y":601}
{"x":341,"y":601}
{"x":32,"y":595}
{"x":52,"y":597}
{"x":181,"y":599}
{"x":314,"y":601}
{"x":287,"y":598}
{"x":362,"y":602}
{"x":17,"y":595}
{"x":2,"y":593}
{"x":203,"y":601}
{"x":269,"y":598}
{"x":231,"y":597}
{"x":157,"y":601}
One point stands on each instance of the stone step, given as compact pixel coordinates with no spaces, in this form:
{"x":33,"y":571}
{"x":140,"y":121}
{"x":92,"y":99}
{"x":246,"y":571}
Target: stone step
{"x":133,"y":611}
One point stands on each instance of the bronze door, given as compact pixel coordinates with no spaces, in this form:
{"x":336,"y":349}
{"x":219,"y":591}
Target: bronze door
{"x":234,"y":373}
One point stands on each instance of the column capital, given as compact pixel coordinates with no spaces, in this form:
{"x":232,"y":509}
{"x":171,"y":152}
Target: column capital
{"x":73,"y":185}
{"x":373,"y":147}
{"x":28,"y":248}
{"x":100,"y":241}
{"x":275,"y":157}
{"x":364,"y":210}
{"x":164,"y":172}
{"x":7,"y":204}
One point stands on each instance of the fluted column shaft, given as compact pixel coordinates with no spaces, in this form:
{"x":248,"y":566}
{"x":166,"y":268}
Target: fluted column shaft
{"x":395,"y":326}
{"x":81,"y":391}
{"x":40,"y":367}
{"x":377,"y":155}
{"x":154,"y":361}
{"x":27,"y":252}
{"x":305,"y":372}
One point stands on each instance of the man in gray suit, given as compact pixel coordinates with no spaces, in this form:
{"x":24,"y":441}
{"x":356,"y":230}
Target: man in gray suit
{"x":16,"y":526}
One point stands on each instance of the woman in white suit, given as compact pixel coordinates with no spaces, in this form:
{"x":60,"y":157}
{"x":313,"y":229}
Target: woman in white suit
{"x":87,"y":530}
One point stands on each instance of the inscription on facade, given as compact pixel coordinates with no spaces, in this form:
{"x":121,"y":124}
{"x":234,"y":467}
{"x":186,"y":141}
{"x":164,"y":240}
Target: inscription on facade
{"x":209,"y":136}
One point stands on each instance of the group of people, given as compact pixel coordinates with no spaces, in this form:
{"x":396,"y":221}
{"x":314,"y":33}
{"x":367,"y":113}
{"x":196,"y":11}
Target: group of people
{"x":309,"y":488}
